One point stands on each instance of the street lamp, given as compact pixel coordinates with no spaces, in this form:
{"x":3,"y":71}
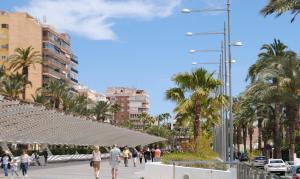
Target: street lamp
{"x":208,"y":50}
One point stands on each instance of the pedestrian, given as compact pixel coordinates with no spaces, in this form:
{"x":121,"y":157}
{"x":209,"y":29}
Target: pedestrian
{"x":45,"y":154}
{"x":36,"y":158}
{"x":147,"y":155}
{"x":5,"y":160}
{"x":141,"y":156}
{"x":96,"y":161}
{"x":114,"y":160}
{"x":14,"y":167}
{"x":24,"y":163}
{"x":134,"y":156}
{"x":157,"y":154}
{"x":152,"y":154}
{"x":126,"y":155}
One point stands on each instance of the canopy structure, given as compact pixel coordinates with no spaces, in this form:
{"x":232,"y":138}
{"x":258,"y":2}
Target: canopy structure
{"x":28,"y":123}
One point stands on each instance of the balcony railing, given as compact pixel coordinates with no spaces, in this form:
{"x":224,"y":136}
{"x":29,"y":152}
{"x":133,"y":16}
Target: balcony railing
{"x":74,"y":70}
{"x":53,"y":73}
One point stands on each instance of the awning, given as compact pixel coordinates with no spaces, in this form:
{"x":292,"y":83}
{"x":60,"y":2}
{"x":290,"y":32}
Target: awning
{"x":29,"y":123}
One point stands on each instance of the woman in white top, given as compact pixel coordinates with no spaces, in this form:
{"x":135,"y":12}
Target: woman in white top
{"x":24,"y":163}
{"x":96,"y":161}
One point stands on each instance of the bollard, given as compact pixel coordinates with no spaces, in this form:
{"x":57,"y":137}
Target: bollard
{"x":174,"y":170}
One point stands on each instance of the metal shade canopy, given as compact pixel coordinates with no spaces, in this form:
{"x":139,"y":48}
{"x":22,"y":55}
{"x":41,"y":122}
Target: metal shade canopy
{"x":28,"y":123}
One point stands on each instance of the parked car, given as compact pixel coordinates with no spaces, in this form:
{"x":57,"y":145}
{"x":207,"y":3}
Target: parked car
{"x":294,"y":172}
{"x":276,"y":166}
{"x":259,"y":161}
{"x":244,"y":157}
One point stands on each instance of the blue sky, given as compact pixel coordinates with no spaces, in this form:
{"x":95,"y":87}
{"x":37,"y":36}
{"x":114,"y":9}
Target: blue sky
{"x":141,"y":43}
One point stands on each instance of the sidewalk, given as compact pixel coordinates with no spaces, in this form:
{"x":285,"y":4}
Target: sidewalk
{"x":80,"y":170}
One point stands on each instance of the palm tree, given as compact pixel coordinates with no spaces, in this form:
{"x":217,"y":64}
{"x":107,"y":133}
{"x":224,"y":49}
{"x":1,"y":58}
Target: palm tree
{"x":146,"y":119}
{"x":80,"y":105}
{"x":268,"y":86}
{"x":163,"y":117}
{"x":23,"y":59}
{"x":279,"y":7}
{"x":115,"y":108}
{"x":193,"y":91}
{"x":13,"y":85}
{"x":55,"y":90}
{"x":101,"y":110}
{"x":41,"y":99}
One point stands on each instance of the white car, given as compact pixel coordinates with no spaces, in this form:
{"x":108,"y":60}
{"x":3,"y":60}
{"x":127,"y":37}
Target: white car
{"x":276,"y":166}
{"x":259,"y":161}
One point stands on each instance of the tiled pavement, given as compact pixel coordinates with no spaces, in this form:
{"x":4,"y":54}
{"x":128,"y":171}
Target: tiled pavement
{"x":80,"y":170}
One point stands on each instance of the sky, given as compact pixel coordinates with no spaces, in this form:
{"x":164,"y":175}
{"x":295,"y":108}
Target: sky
{"x":142,"y":43}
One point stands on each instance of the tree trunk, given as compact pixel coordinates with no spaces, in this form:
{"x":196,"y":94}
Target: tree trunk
{"x":245,"y":138}
{"x":57,"y":104}
{"x":238,"y":138}
{"x":197,"y":123}
{"x":259,"y":126}
{"x":25,"y":72}
{"x":250,"y":131}
{"x":292,"y":116}
{"x":277,"y":141}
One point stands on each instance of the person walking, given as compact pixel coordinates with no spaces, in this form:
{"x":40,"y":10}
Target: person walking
{"x":36,"y":158}
{"x":157,"y":154}
{"x":126,"y":155}
{"x":152,"y":154}
{"x":14,"y":167}
{"x":24,"y":163}
{"x":114,"y":160}
{"x":5,"y":160}
{"x":141,"y":156}
{"x":96,"y":161}
{"x":134,"y":156}
{"x":147,"y":155}
{"x":45,"y":154}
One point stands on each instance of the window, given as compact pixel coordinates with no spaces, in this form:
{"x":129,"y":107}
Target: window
{"x":3,"y":57}
{"x":4,"y":46}
{"x":4,"y":26}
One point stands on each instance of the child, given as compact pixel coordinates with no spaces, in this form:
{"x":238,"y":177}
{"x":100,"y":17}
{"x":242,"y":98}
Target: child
{"x":14,"y":167}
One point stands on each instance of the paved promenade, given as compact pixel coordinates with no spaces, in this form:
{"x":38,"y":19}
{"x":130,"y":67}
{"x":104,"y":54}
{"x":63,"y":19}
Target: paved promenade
{"x":80,"y":170}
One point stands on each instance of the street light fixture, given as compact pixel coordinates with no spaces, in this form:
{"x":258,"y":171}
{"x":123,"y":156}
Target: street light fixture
{"x":208,"y":50}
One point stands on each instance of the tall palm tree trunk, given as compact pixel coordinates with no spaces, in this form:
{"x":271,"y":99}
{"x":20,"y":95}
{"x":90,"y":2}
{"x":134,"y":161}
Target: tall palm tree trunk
{"x":197,"y":123}
{"x":292,"y":116}
{"x":238,"y":138}
{"x":277,"y":141}
{"x":259,"y":126}
{"x":24,"y":72}
{"x":250,"y":132}
{"x":245,"y":138}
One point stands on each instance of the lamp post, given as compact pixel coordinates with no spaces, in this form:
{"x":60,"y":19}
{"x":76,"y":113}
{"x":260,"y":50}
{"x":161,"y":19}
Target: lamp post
{"x":229,"y":45}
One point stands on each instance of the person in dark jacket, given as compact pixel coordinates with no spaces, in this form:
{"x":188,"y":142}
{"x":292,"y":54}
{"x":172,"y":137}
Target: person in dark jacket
{"x":45,"y":154}
{"x":5,"y":160}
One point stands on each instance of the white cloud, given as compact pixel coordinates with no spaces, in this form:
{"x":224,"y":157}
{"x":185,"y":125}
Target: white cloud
{"x":94,"y":19}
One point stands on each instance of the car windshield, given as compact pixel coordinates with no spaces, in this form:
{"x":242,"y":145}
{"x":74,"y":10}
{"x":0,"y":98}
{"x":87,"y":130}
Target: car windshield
{"x":298,"y":170}
{"x":260,"y":158}
{"x":276,"y":161}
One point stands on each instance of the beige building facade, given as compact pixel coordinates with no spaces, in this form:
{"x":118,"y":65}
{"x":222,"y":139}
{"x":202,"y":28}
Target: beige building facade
{"x":133,"y":102}
{"x":20,"y":30}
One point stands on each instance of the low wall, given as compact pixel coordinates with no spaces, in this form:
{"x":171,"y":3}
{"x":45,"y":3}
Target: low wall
{"x":161,"y":171}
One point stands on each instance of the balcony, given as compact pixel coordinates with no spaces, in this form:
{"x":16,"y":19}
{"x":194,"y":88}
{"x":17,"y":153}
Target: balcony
{"x":74,"y":70}
{"x":53,"y":73}
{"x":74,"y":59}
{"x":74,"y":80}
{"x":53,"y":63}
{"x":56,"y":55}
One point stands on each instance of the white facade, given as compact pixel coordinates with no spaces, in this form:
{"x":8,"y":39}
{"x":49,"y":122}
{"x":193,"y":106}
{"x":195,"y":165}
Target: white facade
{"x":91,"y":94}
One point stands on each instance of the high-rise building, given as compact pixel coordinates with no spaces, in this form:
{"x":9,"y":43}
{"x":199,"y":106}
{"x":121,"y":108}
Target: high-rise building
{"x":20,"y":30}
{"x":93,"y":95}
{"x":133,"y":102}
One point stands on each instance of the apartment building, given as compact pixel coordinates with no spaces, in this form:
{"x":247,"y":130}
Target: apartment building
{"x":20,"y":30}
{"x":133,"y":102}
{"x":93,"y":95}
